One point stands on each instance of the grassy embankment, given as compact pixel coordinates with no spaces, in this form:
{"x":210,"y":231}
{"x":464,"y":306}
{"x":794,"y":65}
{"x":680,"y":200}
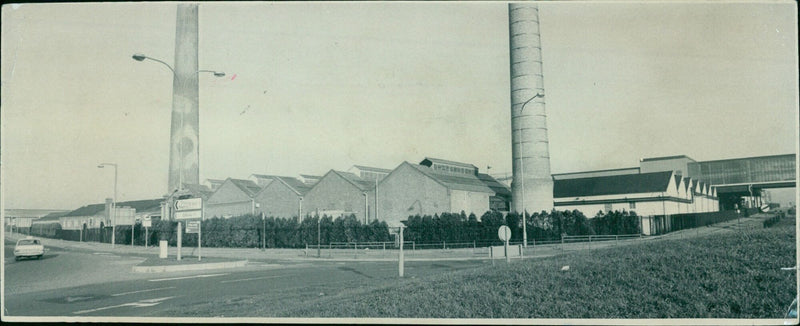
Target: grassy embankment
{"x":726,"y":275}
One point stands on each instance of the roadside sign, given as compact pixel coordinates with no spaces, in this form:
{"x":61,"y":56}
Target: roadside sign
{"x":147,"y":223}
{"x":188,"y":215}
{"x":193,"y":227}
{"x":504,"y":232}
{"x":188,"y":204}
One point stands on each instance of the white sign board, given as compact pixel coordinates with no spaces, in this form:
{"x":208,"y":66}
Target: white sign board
{"x":193,"y":227}
{"x":504,"y":232}
{"x":189,"y":215}
{"x":188,"y":204}
{"x":147,"y":223}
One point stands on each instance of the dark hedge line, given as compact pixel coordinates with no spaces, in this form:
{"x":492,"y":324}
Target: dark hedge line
{"x":247,"y":231}
{"x":236,"y":232}
{"x":452,"y":227}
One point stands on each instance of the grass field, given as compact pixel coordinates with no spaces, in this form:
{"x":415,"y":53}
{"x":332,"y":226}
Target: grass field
{"x":727,"y":275}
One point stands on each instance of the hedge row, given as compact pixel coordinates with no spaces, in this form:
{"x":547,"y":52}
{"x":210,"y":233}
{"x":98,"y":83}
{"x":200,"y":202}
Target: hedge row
{"x":452,"y":227}
{"x":237,"y":232}
{"x":249,"y":231}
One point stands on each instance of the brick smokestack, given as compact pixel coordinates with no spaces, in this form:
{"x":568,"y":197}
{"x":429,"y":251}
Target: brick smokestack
{"x":184,"y":155}
{"x":532,"y":184}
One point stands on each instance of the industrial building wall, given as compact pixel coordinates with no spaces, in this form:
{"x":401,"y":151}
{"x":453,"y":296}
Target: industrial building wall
{"x":406,"y":191}
{"x":333,"y":192}
{"x":680,"y":165}
{"x":278,"y":200}
{"x":227,"y":193}
{"x":469,"y":202}
{"x":660,"y":207}
{"x":228,"y":209}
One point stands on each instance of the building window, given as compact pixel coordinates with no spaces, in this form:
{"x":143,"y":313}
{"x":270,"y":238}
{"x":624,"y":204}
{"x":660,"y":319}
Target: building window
{"x":608,"y":208}
{"x":632,"y":205}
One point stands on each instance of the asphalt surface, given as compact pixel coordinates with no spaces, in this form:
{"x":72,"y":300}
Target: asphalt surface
{"x":80,"y":283}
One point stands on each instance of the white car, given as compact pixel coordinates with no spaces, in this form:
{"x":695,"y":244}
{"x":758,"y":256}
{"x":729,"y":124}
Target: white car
{"x":28,"y":247}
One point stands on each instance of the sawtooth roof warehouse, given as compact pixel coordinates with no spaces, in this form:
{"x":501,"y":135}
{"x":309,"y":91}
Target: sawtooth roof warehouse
{"x":658,"y":187}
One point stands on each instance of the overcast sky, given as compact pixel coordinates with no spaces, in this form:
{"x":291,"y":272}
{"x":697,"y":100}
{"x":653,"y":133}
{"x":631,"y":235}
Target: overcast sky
{"x":318,"y":86}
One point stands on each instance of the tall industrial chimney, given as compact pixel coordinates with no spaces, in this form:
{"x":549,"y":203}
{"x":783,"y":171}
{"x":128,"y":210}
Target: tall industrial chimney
{"x":532,"y":184}
{"x":184,"y":157}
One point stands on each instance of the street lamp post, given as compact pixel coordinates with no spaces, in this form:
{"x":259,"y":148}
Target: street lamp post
{"x":142,"y":57}
{"x":113,"y":203}
{"x":522,"y":172}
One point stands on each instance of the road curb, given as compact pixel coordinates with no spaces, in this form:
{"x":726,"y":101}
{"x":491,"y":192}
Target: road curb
{"x":189,"y":267}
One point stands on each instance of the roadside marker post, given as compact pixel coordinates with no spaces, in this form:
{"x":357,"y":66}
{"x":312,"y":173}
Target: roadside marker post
{"x":401,"y":258}
{"x":179,"y":240}
{"x":504,"y":233}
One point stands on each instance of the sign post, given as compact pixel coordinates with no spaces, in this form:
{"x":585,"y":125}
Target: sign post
{"x":504,"y":232}
{"x":146,"y":222}
{"x":194,"y":227}
{"x":185,"y":209}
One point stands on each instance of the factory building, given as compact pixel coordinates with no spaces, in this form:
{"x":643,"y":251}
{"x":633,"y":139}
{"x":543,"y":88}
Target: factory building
{"x":101,"y":215}
{"x":233,"y":197}
{"x":281,"y":196}
{"x":647,"y":194}
{"x":341,"y":193}
{"x":432,"y":187}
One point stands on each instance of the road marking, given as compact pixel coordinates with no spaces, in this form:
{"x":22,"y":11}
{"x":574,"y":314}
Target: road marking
{"x":254,"y":278}
{"x":73,"y":299}
{"x":138,"y":304}
{"x":140,"y":291}
{"x":185,"y":277}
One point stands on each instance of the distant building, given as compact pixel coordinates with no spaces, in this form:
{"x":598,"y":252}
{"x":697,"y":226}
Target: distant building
{"x":262,"y":180}
{"x":282,"y":197}
{"x":432,"y":187}
{"x":647,"y":194}
{"x":23,"y":218}
{"x":342,"y":192}
{"x":213,"y":184}
{"x":595,"y":173}
{"x":234,"y":197}
{"x":101,"y":215}
{"x":369,"y":173}
{"x":310,"y":179}
{"x":677,"y":163}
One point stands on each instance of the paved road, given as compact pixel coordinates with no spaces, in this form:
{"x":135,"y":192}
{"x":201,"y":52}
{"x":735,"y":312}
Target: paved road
{"x":81,"y":283}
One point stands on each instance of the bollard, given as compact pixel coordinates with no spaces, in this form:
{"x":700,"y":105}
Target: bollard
{"x":163,"y":246}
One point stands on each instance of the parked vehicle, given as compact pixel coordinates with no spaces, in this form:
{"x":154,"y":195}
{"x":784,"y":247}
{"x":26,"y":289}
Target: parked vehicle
{"x":28,"y":247}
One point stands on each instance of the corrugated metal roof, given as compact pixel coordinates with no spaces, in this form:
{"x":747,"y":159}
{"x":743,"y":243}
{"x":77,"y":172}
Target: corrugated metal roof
{"x":295,"y":184}
{"x":499,"y":188}
{"x":249,"y":187}
{"x":372,"y":169}
{"x":467,"y":182}
{"x":441,"y":161}
{"x":612,"y":185}
{"x":361,"y":184}
{"x":197,"y":189}
{"x":666,"y":158}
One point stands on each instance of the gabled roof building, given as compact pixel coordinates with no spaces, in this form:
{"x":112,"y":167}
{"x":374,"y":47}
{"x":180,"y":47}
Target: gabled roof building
{"x":233,"y":197}
{"x":282,"y":197}
{"x":342,"y":193}
{"x":432,"y":187}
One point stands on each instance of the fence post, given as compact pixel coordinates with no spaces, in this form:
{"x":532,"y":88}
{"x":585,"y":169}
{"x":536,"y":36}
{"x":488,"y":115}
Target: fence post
{"x":444,"y":244}
{"x":413,"y":246}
